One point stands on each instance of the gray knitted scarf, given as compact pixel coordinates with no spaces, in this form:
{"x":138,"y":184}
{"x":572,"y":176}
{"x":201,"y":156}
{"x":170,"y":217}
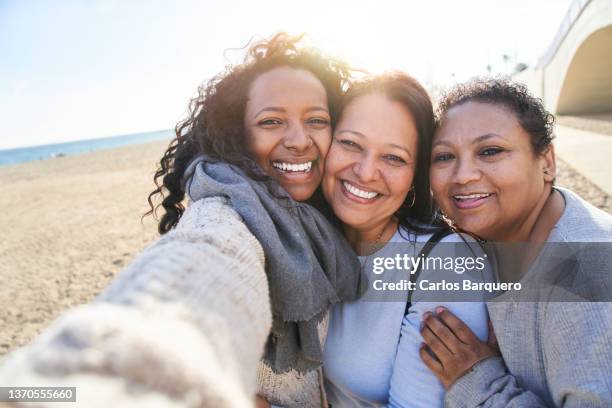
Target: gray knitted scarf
{"x":309,"y":264}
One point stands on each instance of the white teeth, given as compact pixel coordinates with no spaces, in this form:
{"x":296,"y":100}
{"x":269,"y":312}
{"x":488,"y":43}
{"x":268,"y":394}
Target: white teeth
{"x":470,"y":196}
{"x":304,"y":167}
{"x":359,"y":193}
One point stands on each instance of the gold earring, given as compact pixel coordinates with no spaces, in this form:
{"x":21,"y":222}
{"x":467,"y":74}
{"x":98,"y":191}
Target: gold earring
{"x":413,"y":197}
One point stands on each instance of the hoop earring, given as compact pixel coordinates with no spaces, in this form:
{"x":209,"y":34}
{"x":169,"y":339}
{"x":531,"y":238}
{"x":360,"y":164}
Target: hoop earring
{"x":413,"y":197}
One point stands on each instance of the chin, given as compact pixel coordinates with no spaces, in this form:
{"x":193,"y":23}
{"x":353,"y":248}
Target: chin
{"x":300,"y":193}
{"x":350,"y":220}
{"x":473,"y":226}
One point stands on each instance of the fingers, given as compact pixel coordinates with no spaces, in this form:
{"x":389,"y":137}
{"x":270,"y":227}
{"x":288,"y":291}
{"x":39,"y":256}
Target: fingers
{"x":459,"y":329}
{"x":431,"y":362}
{"x":438,"y":347}
{"x":442,"y":332}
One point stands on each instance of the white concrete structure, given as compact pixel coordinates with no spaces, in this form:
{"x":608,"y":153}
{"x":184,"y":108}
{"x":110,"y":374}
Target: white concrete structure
{"x":575,"y":74}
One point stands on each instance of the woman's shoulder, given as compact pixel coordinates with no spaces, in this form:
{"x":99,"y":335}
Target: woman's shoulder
{"x":214,"y":218}
{"x":215,"y":209}
{"x":582,"y":221}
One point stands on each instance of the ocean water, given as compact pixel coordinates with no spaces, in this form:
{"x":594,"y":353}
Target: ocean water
{"x":26,"y":154}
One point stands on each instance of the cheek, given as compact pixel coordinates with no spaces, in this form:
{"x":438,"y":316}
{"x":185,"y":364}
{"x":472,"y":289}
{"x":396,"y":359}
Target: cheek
{"x":259,"y":146}
{"x":400,"y":182}
{"x":437,"y":181}
{"x":323,"y":140}
{"x":335,"y":161}
{"x":330,"y":169}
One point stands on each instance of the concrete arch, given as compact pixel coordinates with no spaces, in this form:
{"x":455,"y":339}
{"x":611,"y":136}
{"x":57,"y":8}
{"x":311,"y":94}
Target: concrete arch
{"x":587,"y":87}
{"x":573,"y":76}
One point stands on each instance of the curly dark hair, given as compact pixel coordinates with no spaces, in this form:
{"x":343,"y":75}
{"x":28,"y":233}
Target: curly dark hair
{"x":515,"y":97}
{"x":215,"y":125}
{"x":416,"y":213}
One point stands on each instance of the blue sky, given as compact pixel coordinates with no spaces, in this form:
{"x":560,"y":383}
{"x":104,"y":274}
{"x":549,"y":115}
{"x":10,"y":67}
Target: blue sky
{"x":73,"y":70}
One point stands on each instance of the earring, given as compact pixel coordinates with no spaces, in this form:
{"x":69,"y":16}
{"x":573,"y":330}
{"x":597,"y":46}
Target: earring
{"x":413,"y":197}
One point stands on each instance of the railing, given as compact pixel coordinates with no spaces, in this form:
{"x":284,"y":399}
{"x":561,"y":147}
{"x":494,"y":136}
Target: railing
{"x":575,"y":9}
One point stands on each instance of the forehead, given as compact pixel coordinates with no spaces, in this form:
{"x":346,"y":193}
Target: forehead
{"x":473,"y":119}
{"x":287,"y":86}
{"x":380,"y":119}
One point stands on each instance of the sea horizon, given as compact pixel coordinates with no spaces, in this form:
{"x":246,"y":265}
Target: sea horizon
{"x":55,"y":150}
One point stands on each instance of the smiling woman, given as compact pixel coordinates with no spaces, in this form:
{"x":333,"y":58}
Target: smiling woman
{"x":493,"y":172}
{"x":232,"y":299}
{"x":288,"y":133}
{"x":376,"y":182}
{"x":476,"y":153}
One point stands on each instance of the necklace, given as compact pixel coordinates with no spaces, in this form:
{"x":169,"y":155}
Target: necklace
{"x":375,"y":246}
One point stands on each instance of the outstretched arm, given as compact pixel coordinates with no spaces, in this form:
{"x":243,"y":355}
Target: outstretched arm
{"x":184,"y":325}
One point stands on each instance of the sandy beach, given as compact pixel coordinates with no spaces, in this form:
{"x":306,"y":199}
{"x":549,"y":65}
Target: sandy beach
{"x":71,"y":223}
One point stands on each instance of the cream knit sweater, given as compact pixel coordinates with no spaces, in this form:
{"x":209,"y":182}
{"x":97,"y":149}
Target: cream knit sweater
{"x":183,"y":326}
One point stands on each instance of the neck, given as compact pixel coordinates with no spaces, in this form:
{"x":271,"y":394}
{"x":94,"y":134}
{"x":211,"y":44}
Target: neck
{"x":540,"y":222}
{"x":516,"y":260}
{"x":381,"y":233}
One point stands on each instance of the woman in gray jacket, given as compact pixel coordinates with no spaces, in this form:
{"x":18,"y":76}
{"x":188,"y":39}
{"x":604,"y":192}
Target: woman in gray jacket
{"x":492,"y":174}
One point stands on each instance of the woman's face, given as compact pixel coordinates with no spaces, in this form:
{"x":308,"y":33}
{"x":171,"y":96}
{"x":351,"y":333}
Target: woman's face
{"x":288,"y":130}
{"x":371,"y":163}
{"x":484,"y":173}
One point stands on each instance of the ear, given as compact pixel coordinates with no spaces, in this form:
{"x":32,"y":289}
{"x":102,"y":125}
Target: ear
{"x":549,"y":166}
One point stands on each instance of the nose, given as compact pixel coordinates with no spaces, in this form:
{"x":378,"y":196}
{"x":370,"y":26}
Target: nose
{"x":297,"y":138}
{"x":366,"y":169}
{"x":465,"y":172}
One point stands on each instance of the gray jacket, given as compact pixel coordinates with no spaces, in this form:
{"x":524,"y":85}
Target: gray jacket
{"x":554,"y":353}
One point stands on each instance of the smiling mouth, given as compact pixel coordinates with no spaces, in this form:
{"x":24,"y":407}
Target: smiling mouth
{"x":363,"y":194}
{"x":286,"y":167}
{"x":475,"y":196}
{"x":469,"y":201}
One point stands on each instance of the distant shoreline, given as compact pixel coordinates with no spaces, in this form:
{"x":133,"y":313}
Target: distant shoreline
{"x":58,"y":150}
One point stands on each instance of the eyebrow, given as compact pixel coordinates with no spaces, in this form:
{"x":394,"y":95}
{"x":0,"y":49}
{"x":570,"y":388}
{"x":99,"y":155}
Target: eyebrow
{"x":361,"y":135}
{"x":283,"y":110}
{"x":479,"y":139}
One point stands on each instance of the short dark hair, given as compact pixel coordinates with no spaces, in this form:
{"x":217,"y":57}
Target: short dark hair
{"x":529,"y":110}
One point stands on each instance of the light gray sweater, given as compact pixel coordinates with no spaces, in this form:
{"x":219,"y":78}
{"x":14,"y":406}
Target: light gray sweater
{"x":554,"y":353}
{"x":183,"y":326}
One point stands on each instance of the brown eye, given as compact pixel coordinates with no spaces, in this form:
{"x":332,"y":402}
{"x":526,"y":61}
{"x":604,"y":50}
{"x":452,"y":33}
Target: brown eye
{"x":442,"y":157}
{"x":396,"y":160}
{"x":491,"y":151}
{"x":318,"y":123}
{"x":269,"y":122}
{"x":349,"y":143}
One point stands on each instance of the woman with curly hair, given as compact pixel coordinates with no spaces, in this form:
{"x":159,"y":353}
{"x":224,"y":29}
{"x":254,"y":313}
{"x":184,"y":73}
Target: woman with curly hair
{"x":492,"y":174}
{"x":247,"y":269}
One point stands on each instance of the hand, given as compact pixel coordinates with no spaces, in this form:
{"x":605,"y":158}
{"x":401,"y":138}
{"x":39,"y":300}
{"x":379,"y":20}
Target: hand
{"x":260,"y":402}
{"x":451,"y":349}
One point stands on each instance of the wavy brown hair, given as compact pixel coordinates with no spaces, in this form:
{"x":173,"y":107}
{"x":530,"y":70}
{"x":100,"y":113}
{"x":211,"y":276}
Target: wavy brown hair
{"x":215,"y":125}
